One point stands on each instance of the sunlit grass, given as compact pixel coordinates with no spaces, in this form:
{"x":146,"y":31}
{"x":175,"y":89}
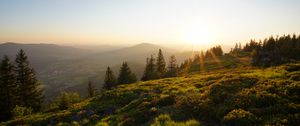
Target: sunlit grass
{"x":216,"y":95}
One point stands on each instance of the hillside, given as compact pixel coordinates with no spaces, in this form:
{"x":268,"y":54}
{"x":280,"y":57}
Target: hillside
{"x":240,"y":96}
{"x":75,"y":73}
{"x":42,"y":55}
{"x":137,"y":53}
{"x":68,"y":68}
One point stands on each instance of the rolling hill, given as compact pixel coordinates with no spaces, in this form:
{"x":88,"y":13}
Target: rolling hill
{"x":74,"y":74}
{"x":42,"y":55}
{"x":68,"y":68}
{"x":241,"y":96}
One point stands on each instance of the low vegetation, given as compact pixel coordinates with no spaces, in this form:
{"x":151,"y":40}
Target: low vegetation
{"x":239,"y":96}
{"x":210,"y":89}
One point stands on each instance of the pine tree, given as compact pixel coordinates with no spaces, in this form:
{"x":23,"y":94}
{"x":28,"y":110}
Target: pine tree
{"x":274,"y":51}
{"x":202,"y":55}
{"x":110,"y":79}
{"x":185,"y":66}
{"x":161,"y":65}
{"x":173,"y":67}
{"x":255,"y":57}
{"x":219,"y":51}
{"x":91,"y":89}
{"x":125,"y":75}
{"x":146,"y":71}
{"x":236,"y":47}
{"x":29,"y":91}
{"x":8,"y":89}
{"x":195,"y":64}
{"x":150,"y":72}
{"x":208,"y":53}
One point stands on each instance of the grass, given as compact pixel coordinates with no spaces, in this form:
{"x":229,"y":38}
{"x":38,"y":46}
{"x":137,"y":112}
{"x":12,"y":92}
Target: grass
{"x":240,"y":96}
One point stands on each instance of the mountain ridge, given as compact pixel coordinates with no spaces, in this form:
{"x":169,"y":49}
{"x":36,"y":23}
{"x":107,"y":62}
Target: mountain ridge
{"x":65,"y":67}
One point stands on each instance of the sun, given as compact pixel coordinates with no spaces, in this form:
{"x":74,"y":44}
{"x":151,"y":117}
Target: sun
{"x":198,"y":36}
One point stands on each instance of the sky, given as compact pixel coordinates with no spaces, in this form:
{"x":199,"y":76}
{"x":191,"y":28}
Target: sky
{"x":128,"y":22}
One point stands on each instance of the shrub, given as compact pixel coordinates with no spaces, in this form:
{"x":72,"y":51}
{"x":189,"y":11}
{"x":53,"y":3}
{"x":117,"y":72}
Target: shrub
{"x":66,"y":99}
{"x":102,"y":124}
{"x":194,"y":104}
{"x":227,"y":87}
{"x":294,"y":76}
{"x":165,"y":100}
{"x":20,"y":111}
{"x":165,"y":120}
{"x":240,"y":117}
{"x":292,"y":67}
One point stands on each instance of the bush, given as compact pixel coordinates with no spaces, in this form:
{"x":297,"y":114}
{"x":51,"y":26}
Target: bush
{"x":165,"y":120}
{"x":102,"y":124}
{"x":20,"y":111}
{"x":165,"y":100}
{"x":240,"y":117}
{"x":66,"y":99}
{"x":194,"y":104}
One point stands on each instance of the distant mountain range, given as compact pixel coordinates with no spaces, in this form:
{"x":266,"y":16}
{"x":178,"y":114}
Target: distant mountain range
{"x":42,"y":54}
{"x":68,"y":68}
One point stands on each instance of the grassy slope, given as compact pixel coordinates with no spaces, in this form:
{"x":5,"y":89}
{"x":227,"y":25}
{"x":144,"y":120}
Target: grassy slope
{"x":240,"y":96}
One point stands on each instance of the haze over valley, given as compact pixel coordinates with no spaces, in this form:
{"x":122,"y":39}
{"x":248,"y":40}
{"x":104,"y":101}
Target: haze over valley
{"x":149,"y":63}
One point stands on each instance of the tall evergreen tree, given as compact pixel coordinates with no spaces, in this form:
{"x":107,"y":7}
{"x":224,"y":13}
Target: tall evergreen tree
{"x":185,"y":66}
{"x":161,"y":65}
{"x":236,"y":47}
{"x":91,"y":89}
{"x":208,"y":54}
{"x":110,"y":79}
{"x":8,"y":89}
{"x":29,"y":90}
{"x":195,"y":64}
{"x":146,"y":71}
{"x":125,"y":75}
{"x":274,"y":51}
{"x":172,"y":67}
{"x":150,"y":71}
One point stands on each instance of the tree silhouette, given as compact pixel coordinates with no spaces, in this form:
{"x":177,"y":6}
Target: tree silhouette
{"x":150,"y":72}
{"x":125,"y":75}
{"x":29,"y":91}
{"x":161,"y":65}
{"x":274,"y":51}
{"x":172,"y":67}
{"x":8,"y":89}
{"x":109,"y":79}
{"x":91,"y":89}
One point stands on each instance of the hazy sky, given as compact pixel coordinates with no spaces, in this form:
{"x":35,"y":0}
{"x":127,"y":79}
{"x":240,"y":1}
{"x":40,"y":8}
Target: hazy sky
{"x":155,"y":21}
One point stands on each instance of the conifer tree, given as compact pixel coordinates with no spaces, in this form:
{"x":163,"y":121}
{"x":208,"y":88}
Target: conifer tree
{"x":161,"y":65}
{"x":29,"y":91}
{"x":150,"y":72}
{"x":146,"y":71}
{"x":91,"y":89}
{"x":195,"y":64}
{"x":8,"y":89}
{"x":236,"y":47}
{"x":202,"y":56}
{"x":110,"y":79}
{"x":172,"y":67}
{"x":125,"y":75}
{"x":274,"y":51}
{"x":185,"y":66}
{"x":208,"y":54}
